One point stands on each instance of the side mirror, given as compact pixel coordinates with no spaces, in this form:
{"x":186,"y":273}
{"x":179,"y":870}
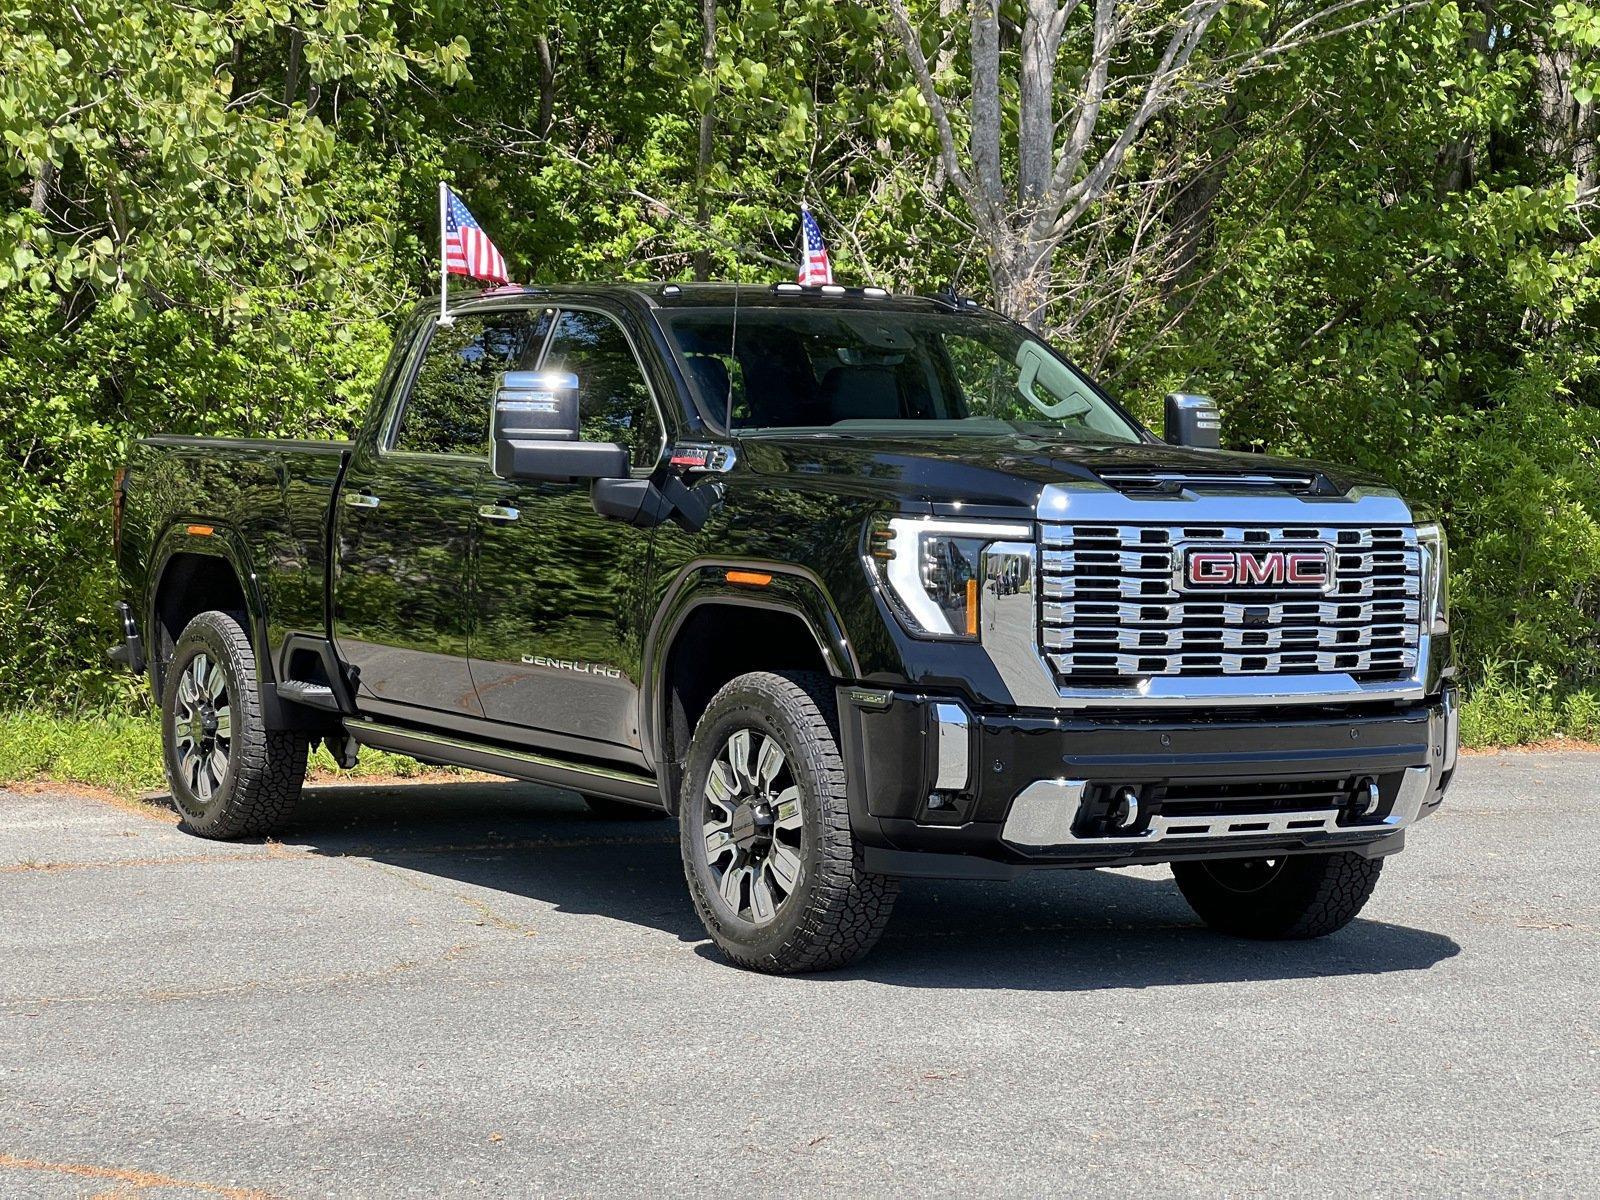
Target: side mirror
{"x":534,"y":432}
{"x":1192,"y":421}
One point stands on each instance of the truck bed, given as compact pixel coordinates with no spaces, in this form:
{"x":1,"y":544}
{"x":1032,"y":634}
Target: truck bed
{"x":266,"y":499}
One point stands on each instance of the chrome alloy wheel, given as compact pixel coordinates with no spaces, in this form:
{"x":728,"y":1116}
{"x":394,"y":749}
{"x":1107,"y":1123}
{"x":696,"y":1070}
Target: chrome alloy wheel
{"x":202,"y":724}
{"x":752,"y":826}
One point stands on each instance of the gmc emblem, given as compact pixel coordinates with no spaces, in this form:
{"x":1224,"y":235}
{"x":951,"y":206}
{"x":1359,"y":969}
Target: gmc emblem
{"x":1308,"y":568}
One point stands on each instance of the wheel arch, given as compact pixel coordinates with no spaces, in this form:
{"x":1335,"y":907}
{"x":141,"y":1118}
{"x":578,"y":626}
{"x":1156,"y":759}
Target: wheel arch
{"x":712,"y":628}
{"x":197,"y":567}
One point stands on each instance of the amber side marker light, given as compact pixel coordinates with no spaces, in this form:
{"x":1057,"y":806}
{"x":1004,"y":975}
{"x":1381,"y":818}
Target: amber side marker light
{"x":972,"y":608}
{"x":201,"y":530}
{"x":752,"y":578}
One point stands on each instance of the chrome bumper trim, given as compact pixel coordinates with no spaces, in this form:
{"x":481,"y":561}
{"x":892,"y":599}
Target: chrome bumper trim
{"x":1043,"y":813}
{"x":955,"y":747}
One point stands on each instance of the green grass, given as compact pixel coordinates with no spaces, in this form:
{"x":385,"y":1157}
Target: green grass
{"x":1508,"y":707}
{"x":123,"y":753}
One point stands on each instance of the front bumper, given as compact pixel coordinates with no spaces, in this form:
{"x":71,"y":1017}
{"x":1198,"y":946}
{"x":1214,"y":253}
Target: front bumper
{"x":939,"y":790}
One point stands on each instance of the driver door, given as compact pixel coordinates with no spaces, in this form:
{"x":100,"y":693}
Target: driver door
{"x":559,"y":631}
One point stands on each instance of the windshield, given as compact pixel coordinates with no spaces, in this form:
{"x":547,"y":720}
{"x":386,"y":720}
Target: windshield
{"x":894,"y":372}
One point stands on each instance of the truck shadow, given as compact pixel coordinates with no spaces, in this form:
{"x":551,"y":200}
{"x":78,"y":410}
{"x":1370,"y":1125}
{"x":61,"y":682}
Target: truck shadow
{"x":1051,"y":931}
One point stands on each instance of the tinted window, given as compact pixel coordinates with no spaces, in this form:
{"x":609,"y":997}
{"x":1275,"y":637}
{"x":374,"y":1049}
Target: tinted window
{"x":448,"y":409}
{"x":613,"y":398}
{"x":901,"y":371}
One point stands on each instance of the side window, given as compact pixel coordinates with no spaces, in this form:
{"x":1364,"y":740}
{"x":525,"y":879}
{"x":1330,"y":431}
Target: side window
{"x":447,"y":411}
{"x":613,"y":398}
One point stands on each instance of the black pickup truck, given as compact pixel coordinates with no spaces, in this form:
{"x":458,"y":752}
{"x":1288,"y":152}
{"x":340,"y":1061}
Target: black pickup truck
{"x":856,"y":586}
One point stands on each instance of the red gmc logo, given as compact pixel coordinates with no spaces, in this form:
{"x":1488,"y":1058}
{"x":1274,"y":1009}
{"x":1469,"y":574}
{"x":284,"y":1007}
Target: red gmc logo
{"x":1273,"y":569}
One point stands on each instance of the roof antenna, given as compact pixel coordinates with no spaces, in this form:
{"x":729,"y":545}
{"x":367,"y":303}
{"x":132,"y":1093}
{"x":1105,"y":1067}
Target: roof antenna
{"x":951,"y":292}
{"x":733,"y":345}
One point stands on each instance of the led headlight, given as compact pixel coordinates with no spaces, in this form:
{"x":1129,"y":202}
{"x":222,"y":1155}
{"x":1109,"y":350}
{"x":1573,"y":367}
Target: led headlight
{"x":929,"y":570}
{"x":1435,"y":577}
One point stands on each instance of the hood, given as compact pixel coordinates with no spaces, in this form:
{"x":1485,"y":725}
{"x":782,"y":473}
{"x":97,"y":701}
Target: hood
{"x":1007,"y":471}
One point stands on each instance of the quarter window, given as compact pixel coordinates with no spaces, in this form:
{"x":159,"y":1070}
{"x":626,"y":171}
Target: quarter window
{"x":447,"y":411}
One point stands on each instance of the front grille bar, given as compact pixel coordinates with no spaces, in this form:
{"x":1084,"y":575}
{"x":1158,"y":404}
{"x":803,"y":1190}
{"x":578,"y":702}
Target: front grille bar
{"x":1112,"y":611}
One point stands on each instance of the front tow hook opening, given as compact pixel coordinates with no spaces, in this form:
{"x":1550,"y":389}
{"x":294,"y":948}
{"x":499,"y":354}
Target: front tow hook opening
{"x":1364,"y":803}
{"x":1124,"y":815}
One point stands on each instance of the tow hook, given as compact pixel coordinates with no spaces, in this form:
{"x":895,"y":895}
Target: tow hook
{"x":1365,"y":798}
{"x":1124,"y":809}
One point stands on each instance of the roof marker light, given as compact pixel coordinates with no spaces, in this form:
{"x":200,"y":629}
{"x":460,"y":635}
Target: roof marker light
{"x":787,"y":287}
{"x":670,"y":289}
{"x":832,"y":289}
{"x":873,"y":291}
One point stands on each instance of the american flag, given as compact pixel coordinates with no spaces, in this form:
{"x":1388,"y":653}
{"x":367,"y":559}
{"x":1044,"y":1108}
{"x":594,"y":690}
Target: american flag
{"x":467,"y":248}
{"x":815,"y":269}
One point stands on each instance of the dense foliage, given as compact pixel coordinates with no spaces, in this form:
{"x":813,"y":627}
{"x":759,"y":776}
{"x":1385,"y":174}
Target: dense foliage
{"x":1375,"y":247}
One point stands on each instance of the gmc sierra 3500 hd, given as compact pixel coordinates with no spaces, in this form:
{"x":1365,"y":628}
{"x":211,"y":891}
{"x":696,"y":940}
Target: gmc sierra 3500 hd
{"x":856,"y":586}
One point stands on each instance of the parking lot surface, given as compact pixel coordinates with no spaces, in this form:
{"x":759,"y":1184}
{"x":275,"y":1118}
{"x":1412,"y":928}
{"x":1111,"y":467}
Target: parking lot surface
{"x":469,"y":989}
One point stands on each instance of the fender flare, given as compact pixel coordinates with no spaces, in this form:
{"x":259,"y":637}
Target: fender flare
{"x":225,"y":543}
{"x":793,"y":590}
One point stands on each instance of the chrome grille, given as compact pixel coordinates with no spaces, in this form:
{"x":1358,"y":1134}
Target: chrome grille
{"x":1111,"y":611}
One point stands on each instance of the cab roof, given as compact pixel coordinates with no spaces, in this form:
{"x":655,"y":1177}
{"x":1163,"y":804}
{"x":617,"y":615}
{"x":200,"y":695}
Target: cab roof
{"x":671,"y":295}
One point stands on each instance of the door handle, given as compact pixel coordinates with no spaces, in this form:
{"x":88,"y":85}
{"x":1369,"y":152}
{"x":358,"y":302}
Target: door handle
{"x":360,"y":500}
{"x":497,"y":512}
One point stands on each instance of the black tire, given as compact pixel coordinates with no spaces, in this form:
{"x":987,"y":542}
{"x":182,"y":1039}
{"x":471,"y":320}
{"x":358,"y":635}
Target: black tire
{"x":607,"y":809}
{"x":1295,"y":896}
{"x":256,"y":792}
{"x":835,"y":909}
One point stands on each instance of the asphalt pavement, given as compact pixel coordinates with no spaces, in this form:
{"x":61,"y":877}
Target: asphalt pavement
{"x":477,"y":989}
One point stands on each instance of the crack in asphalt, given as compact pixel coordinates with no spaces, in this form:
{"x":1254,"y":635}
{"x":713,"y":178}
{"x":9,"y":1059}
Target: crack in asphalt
{"x":137,"y":1179}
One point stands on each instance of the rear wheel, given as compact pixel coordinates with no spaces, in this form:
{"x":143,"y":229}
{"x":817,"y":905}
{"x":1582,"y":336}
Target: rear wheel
{"x":230,"y":775}
{"x":1293,"y":896}
{"x":772,"y":865}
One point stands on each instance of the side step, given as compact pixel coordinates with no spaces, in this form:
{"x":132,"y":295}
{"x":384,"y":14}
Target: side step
{"x":311,"y":695}
{"x":615,"y":783}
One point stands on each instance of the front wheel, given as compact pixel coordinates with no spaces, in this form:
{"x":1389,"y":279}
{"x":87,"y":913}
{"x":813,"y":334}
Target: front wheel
{"x":230,"y":775}
{"x":773,"y":868}
{"x":1292,"y":896}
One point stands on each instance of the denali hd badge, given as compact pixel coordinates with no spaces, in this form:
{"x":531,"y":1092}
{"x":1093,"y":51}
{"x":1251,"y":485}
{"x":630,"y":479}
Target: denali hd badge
{"x":1238,"y":568}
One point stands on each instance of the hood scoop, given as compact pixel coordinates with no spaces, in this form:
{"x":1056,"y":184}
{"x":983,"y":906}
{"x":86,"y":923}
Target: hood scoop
{"x":1152,"y":481}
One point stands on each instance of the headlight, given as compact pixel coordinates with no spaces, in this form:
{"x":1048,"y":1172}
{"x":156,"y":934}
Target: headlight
{"x":930,"y":570}
{"x":1435,"y":577}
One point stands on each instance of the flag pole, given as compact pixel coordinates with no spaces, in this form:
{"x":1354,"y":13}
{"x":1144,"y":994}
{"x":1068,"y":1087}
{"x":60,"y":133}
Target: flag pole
{"x":444,"y":271}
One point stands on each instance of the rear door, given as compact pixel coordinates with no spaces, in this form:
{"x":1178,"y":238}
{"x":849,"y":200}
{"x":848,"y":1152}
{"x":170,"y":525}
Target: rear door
{"x":408,"y":514}
{"x":560,"y":589}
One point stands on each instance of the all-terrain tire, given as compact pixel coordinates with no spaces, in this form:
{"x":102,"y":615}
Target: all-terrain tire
{"x":258,"y":790}
{"x":837,"y":909}
{"x":1296,"y":896}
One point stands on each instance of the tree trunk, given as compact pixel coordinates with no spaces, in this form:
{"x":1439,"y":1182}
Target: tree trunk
{"x":43,"y":184}
{"x":1567,"y":129}
{"x":702,"y":163}
{"x":1019,"y":273}
{"x":547,"y":85}
{"x":291,"y":70}
{"x":1194,"y":207}
{"x":1036,"y":116}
